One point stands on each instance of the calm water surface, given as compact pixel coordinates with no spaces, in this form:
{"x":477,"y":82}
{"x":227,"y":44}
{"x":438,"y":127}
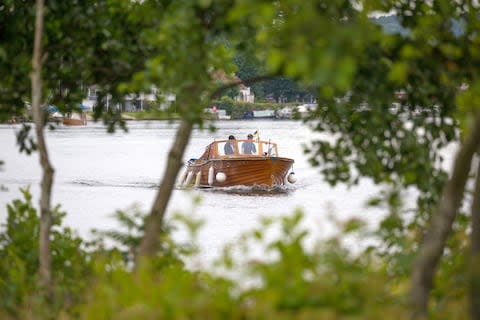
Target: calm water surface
{"x":97,"y":173}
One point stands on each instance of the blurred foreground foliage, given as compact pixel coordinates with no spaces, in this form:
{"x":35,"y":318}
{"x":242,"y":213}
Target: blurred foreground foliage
{"x":298,"y":275}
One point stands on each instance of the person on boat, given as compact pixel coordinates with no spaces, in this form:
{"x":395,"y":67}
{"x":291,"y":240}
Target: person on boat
{"x":228,"y":148}
{"x":248,"y":147}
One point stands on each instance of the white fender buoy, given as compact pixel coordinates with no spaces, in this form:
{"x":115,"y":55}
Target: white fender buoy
{"x":221,"y":177}
{"x":292,"y":178}
{"x":197,"y":179}
{"x":182,"y":177}
{"x":188,"y":181}
{"x":210,"y":175}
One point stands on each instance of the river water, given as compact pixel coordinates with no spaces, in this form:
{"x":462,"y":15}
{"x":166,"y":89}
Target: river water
{"x":97,"y":173}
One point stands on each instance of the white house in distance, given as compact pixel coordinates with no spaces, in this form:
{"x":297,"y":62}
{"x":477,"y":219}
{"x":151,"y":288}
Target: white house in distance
{"x":245,"y":95}
{"x":138,"y":102}
{"x":244,"y":92}
{"x":131,"y":102}
{"x":91,"y":98}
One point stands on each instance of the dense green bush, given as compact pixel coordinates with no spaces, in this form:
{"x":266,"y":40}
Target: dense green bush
{"x":19,"y":256}
{"x":226,"y":103}
{"x":297,"y":276}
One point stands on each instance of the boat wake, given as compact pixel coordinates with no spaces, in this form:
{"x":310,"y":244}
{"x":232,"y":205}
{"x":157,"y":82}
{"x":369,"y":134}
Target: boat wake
{"x":255,"y":190}
{"x":94,"y":183}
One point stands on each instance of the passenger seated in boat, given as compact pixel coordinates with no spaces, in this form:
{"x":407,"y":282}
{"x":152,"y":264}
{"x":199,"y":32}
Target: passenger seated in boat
{"x":248,"y":147}
{"x":228,"y":148}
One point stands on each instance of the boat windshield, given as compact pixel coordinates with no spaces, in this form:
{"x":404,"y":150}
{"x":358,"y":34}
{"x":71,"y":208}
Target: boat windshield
{"x":226,"y":148}
{"x":269,"y":149}
{"x":246,"y":147}
{"x":249,"y":147}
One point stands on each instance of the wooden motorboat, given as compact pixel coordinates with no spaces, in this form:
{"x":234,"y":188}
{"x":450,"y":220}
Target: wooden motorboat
{"x":75,"y":119}
{"x":259,"y":165}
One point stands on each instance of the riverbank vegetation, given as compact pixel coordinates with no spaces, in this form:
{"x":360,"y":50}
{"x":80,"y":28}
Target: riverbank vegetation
{"x":234,"y":109}
{"x":293,"y":280}
{"x":393,"y":101}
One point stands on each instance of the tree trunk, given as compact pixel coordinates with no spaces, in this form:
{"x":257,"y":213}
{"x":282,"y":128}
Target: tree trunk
{"x":475,"y":252}
{"x":45,"y":269}
{"x":150,"y":242}
{"x":432,"y":248}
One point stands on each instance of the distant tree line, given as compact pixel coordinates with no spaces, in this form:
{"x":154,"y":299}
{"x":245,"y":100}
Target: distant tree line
{"x":285,"y":89}
{"x":279,"y":89}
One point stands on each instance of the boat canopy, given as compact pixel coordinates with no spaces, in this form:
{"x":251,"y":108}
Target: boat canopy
{"x":51,"y":109}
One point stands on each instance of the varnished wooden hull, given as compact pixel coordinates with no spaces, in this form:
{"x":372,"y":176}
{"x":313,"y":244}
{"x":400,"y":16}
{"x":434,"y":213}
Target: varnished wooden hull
{"x":74,"y":122}
{"x":247,"y":171}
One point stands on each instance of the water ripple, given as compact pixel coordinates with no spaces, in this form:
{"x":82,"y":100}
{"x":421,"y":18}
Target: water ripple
{"x":95,"y":183}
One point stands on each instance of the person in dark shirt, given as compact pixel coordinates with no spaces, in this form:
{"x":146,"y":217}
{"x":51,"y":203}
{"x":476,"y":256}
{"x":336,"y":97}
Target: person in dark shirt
{"x":228,"y":148}
{"x":248,"y":147}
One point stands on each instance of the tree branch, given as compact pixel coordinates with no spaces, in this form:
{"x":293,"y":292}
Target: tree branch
{"x":45,"y":269}
{"x":474,"y":272}
{"x":235,"y":83}
{"x":431,"y":250}
{"x":150,"y":242}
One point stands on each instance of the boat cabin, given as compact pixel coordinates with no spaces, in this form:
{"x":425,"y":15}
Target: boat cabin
{"x":227,"y":149}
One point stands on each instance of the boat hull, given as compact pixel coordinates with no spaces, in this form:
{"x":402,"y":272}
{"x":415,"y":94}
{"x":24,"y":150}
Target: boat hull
{"x":74,"y":122}
{"x":249,"y":171}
